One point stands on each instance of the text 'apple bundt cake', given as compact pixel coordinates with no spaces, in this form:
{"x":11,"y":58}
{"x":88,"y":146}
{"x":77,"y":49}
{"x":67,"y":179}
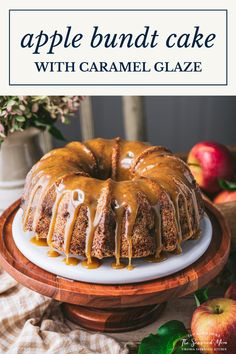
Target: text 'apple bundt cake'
{"x":112,"y":198}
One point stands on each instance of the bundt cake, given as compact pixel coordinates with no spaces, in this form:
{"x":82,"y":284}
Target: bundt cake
{"x":112,"y":198}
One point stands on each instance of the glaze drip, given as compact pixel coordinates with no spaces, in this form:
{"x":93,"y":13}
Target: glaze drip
{"x":38,"y":242}
{"x":71,"y":261}
{"x":101,"y":178}
{"x":52,"y":253}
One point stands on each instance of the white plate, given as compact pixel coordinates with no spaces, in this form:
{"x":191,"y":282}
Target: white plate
{"x":105,"y":274}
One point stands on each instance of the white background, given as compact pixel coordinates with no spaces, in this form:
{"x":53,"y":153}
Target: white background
{"x":213,"y":59}
{"x":24,"y":71}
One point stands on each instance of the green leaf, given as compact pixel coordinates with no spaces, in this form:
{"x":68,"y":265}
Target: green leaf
{"x":20,"y":118}
{"x":56,"y":133}
{"x":171,"y":338}
{"x":22,"y":107}
{"x":41,"y":125}
{"x":226,"y":185}
{"x":201,"y":296}
{"x":2,"y":112}
{"x":10,"y":103}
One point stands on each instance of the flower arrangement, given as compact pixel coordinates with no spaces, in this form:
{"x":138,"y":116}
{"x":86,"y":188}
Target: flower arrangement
{"x":18,"y":113}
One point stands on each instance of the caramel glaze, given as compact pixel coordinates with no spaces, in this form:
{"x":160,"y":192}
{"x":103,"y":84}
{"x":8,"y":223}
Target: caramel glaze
{"x":91,"y":264}
{"x":52,"y":253}
{"x":71,"y":261}
{"x":84,"y":172}
{"x":38,"y":241}
{"x":118,"y":266}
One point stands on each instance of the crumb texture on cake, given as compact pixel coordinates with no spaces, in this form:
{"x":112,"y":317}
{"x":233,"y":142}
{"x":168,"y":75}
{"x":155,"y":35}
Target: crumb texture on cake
{"x":105,"y":198}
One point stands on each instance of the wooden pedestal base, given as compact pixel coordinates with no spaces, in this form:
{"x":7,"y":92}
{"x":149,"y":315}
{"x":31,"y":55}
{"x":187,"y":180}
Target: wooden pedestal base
{"x":112,"y":320}
{"x":114,"y":308}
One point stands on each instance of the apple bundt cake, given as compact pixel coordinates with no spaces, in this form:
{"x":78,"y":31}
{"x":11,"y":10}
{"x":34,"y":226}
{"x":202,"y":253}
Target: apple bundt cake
{"x":112,"y":198}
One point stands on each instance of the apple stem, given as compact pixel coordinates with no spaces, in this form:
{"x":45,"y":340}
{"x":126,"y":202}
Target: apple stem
{"x":218,"y":310}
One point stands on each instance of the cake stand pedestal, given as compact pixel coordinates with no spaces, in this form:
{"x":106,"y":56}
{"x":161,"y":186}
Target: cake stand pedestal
{"x":115,"y":308}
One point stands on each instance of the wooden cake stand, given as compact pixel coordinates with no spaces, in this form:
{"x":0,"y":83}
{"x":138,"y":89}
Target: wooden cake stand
{"x":115,"y":308}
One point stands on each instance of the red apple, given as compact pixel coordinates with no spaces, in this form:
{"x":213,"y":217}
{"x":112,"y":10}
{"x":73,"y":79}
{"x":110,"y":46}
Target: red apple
{"x":231,"y":291}
{"x":225,"y":197}
{"x":209,"y":162}
{"x":214,"y":326}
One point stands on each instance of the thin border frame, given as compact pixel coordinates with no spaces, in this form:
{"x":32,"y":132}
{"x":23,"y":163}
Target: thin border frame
{"x":119,"y":10}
